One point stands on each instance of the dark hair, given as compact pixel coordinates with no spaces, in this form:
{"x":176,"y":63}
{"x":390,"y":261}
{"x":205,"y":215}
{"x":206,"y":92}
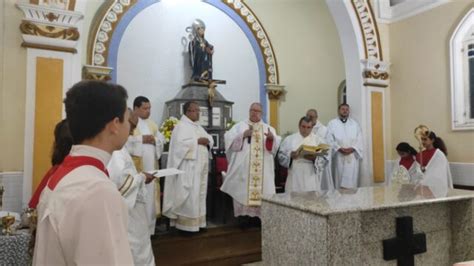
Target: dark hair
{"x":90,"y":105}
{"x":341,"y":105}
{"x":306,"y":119}
{"x":405,"y":147}
{"x":139,"y":101}
{"x":438,"y":142}
{"x":62,"y":142}
{"x":187,"y":105}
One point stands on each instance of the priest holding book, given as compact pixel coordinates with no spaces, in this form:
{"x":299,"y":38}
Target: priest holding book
{"x":305,"y":154}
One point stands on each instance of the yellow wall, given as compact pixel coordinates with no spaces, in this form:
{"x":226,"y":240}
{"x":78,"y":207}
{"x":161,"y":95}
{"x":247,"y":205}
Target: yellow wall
{"x":12,"y":88}
{"x":48,"y":106}
{"x":309,"y":55}
{"x":420,"y":79}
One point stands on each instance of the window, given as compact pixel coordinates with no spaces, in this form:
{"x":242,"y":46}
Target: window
{"x":462,"y":74}
{"x":342,"y":93}
{"x":469,"y":70}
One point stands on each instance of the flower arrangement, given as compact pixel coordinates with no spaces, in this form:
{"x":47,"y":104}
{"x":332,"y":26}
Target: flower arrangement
{"x":230,"y":124}
{"x":167,"y":127}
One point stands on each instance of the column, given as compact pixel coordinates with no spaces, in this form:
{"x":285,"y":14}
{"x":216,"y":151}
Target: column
{"x":274,"y":92}
{"x":50,"y":33}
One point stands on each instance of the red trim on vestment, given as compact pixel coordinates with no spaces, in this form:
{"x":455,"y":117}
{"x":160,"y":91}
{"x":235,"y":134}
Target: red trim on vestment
{"x":72,"y":162}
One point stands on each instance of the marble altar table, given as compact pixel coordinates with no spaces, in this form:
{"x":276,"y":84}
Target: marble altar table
{"x":347,"y":227}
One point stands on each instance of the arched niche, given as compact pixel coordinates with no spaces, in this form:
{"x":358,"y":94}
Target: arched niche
{"x":117,"y":20}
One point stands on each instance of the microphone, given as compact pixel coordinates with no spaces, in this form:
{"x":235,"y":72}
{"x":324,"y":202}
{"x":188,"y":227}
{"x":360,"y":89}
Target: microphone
{"x":249,"y":138}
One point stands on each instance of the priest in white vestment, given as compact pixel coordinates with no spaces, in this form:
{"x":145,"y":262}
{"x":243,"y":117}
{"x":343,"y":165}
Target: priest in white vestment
{"x":322,"y":131}
{"x":131,"y":186}
{"x":82,"y":219}
{"x":147,"y":146}
{"x":250,"y":148}
{"x":318,"y":127}
{"x":304,"y":173}
{"x":345,"y":136}
{"x":185,"y":194}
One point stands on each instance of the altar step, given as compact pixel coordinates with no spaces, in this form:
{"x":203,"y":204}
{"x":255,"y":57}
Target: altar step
{"x":217,"y":246}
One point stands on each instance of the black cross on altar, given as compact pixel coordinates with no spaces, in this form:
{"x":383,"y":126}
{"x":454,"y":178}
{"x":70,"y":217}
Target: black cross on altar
{"x":405,"y":245}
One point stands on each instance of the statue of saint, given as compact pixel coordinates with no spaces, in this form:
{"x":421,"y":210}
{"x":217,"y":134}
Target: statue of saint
{"x":200,"y":52}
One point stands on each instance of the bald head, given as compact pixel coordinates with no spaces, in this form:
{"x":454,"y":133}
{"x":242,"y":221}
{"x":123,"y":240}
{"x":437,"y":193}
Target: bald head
{"x":313,"y":114}
{"x":255,"y":112}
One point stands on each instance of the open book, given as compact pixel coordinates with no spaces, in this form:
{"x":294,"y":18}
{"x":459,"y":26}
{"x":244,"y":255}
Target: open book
{"x":165,"y":172}
{"x":304,"y":150}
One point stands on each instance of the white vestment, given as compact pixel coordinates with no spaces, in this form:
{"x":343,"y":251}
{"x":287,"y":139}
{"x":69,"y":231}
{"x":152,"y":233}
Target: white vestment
{"x":83,"y":221}
{"x":238,"y":153}
{"x":185,"y":194}
{"x":150,"y":155}
{"x":303,"y":175}
{"x":346,"y":167}
{"x":320,"y":130}
{"x":404,"y":176}
{"x":327,"y":180}
{"x":437,"y":175}
{"x":131,"y":185}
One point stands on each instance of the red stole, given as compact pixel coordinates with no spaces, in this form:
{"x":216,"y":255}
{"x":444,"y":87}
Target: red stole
{"x":35,"y":199}
{"x":72,"y":162}
{"x":424,"y":157}
{"x":407,"y":162}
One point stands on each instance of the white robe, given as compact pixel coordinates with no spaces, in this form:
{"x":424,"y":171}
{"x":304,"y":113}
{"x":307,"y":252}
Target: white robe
{"x":185,"y":194}
{"x":236,"y":179}
{"x":320,"y":130}
{"x":327,"y":180}
{"x":401,"y":175}
{"x":150,"y":154}
{"x":131,"y":185}
{"x":346,"y":167}
{"x":437,"y":175}
{"x":83,"y":221}
{"x":303,"y":175}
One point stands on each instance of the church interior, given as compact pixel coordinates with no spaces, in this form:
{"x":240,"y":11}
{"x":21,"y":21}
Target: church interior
{"x":398,"y":64}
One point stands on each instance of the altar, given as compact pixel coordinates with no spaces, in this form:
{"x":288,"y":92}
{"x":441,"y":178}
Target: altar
{"x":366,"y":225}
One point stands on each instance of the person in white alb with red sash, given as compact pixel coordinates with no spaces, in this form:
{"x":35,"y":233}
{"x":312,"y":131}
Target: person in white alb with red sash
{"x":82,"y":218}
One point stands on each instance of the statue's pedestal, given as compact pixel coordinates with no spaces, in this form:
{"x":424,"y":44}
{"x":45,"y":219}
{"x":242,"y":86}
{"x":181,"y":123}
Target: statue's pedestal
{"x":213,"y":118}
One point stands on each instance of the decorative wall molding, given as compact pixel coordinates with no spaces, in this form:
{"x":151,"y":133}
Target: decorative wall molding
{"x":49,"y":28}
{"x":368,"y":29}
{"x":261,"y":35}
{"x":275,"y":91}
{"x":96,"y":72}
{"x":103,"y":27}
{"x":63,"y":4}
{"x":29,"y":28}
{"x":375,"y":73}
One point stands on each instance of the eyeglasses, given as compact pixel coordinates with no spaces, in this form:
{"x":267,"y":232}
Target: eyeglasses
{"x":255,"y":110}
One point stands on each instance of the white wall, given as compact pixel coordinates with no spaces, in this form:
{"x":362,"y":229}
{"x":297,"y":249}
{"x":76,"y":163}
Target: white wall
{"x":152,"y":61}
{"x":420,"y":78}
{"x":309,"y":55}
